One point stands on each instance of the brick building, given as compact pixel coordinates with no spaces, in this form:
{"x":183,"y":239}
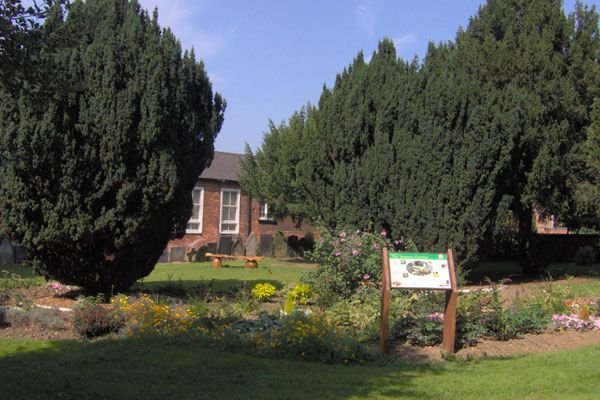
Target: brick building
{"x":226,"y":219}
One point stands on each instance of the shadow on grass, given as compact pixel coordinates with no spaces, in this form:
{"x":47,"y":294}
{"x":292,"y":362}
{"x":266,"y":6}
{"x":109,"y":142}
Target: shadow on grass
{"x":161,"y":368}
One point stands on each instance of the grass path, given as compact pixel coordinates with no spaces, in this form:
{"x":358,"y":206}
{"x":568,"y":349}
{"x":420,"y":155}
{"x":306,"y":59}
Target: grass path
{"x":177,"y":369}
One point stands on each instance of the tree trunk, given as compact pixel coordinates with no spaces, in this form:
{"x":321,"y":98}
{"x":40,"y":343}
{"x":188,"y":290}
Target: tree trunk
{"x":529,"y":257}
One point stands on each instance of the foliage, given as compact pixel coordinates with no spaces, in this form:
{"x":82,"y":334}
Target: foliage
{"x":458,"y":151}
{"x":48,"y":319}
{"x":10,"y":280}
{"x":263,"y":291}
{"x":143,"y":315}
{"x":309,"y":337}
{"x":19,"y":28}
{"x":585,"y":255}
{"x":101,"y":148}
{"x":348,"y":259}
{"x":273,"y":174}
{"x":480,"y":314}
{"x":92,"y":320}
{"x":360,"y":315}
{"x":301,"y":294}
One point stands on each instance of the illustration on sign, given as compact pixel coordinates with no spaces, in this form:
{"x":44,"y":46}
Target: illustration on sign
{"x":419,"y":271}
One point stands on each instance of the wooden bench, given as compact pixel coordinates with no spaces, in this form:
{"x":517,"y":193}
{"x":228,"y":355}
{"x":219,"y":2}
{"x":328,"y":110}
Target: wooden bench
{"x":251,"y":261}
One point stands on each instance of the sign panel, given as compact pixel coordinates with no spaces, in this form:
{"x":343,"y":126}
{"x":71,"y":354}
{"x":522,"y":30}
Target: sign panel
{"x":419,"y":271}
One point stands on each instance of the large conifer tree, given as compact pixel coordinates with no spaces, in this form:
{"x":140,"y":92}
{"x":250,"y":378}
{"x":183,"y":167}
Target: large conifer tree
{"x":100,"y":155}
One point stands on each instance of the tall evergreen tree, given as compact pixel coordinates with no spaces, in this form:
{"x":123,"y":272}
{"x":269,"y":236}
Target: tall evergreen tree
{"x":463,"y":149}
{"x":100,"y":157}
{"x":272,"y":174}
{"x":19,"y":29}
{"x":352,"y":168}
{"x":521,"y":49}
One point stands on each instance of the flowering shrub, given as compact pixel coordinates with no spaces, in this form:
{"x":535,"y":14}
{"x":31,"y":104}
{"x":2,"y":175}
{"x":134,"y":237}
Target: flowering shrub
{"x":480,"y":313}
{"x":144,"y":315}
{"x":347,"y":260}
{"x":301,"y":293}
{"x":312,"y":337}
{"x":263,"y":291}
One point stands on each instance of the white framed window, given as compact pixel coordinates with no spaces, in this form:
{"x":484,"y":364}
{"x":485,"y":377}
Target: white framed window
{"x":195,"y":223}
{"x":263,"y":212}
{"x":230,"y":211}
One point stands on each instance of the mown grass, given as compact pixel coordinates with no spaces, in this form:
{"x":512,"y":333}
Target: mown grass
{"x":500,"y":269}
{"x":231,"y":275}
{"x":159,"y":368}
{"x":587,"y":284}
{"x":17,"y":276}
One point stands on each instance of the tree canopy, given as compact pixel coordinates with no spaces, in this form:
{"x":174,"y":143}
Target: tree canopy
{"x":461,"y":149}
{"x":101,"y":148}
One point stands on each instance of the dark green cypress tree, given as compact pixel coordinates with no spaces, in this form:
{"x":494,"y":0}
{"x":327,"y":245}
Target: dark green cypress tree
{"x":100,"y":156}
{"x":521,"y":49}
{"x":352,"y":168}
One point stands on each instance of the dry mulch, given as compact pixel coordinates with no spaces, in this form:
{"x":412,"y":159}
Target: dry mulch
{"x":528,"y":344}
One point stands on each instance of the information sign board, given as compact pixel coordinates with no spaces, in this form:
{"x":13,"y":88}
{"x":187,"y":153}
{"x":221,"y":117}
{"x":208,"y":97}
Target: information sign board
{"x":419,"y":271}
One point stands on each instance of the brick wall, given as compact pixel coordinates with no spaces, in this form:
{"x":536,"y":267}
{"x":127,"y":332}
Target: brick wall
{"x":248,"y":221}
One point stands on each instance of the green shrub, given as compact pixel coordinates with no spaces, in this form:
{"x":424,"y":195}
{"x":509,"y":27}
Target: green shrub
{"x":347,"y":260}
{"x":527,"y":318}
{"x":480,"y":314}
{"x":360,"y":315}
{"x":312,"y":337}
{"x":425,"y":330}
{"x":585,"y":255}
{"x":554,"y":297}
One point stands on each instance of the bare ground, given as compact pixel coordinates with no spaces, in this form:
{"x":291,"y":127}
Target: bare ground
{"x":65,"y":298}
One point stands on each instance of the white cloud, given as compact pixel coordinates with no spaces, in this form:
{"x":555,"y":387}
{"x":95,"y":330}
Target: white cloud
{"x":405,"y":41}
{"x":365,"y":13}
{"x":182,"y":17}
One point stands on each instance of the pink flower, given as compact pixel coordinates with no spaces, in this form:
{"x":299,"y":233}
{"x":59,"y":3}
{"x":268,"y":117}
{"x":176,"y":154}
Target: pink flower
{"x":366,"y":277}
{"x":343,"y":235}
{"x":375,"y":245}
{"x":383,"y":233}
{"x":355,"y":252}
{"x":338,"y":253}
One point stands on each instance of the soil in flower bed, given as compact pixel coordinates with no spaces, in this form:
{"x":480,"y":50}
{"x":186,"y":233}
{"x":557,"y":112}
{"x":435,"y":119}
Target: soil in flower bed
{"x":65,"y":299}
{"x":528,"y":344}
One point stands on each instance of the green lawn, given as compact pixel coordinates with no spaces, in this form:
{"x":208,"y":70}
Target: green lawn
{"x":232,"y":274}
{"x":18,"y":275}
{"x":500,"y":269}
{"x":177,"y":369}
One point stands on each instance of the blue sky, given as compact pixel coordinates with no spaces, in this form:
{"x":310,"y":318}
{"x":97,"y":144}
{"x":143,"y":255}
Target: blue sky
{"x":270,"y":57}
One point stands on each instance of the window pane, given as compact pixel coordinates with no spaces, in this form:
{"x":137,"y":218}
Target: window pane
{"x":226,"y":198}
{"x":193,"y":226}
{"x":196,"y":196}
{"x":196,"y":211}
{"x":228,"y":227}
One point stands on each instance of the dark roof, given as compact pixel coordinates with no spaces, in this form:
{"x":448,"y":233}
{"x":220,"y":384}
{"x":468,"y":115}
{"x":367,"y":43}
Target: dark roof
{"x":224,"y":166}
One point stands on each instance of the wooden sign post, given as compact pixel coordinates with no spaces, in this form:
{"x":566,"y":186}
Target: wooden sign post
{"x":421,"y":271}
